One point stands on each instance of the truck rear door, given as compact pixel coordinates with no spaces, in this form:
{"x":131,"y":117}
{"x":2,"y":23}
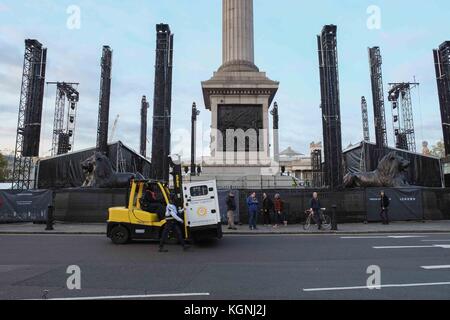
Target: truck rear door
{"x":202,"y":204}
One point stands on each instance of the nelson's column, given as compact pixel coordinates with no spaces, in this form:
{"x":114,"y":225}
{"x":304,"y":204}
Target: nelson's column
{"x":239,"y":97}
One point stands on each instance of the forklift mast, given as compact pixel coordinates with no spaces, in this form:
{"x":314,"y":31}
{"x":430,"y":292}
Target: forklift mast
{"x":176,"y":173}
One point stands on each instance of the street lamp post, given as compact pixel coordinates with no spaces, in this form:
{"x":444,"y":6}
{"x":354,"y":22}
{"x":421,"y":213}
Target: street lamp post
{"x":195,"y":114}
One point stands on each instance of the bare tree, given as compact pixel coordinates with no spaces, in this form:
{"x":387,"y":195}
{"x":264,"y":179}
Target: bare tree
{"x":4,"y":172}
{"x":438,"y":150}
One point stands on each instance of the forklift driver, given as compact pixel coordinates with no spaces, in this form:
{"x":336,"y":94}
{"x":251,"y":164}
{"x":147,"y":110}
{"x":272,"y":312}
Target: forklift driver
{"x":150,"y":202}
{"x":172,"y":224}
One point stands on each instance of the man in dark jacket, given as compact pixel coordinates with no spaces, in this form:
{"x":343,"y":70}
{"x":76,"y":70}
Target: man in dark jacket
{"x":150,"y":203}
{"x":316,"y":207}
{"x":267,"y":208}
{"x":385,"y":202}
{"x":252,"y":204}
{"x":231,"y":208}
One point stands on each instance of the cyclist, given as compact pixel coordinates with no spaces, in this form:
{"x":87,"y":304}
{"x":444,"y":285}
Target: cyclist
{"x":316,"y":207}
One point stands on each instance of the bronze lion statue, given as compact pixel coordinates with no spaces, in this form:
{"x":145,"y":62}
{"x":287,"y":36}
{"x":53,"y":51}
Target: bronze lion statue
{"x":99,"y":173}
{"x":391,"y":173}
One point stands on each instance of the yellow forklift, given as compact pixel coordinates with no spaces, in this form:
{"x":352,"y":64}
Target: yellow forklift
{"x":199,"y":200}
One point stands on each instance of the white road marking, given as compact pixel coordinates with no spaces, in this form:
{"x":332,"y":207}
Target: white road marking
{"x":414,"y":247}
{"x":145,"y":296}
{"x":436,"y":240}
{"x":435,"y":267}
{"x":52,"y":235}
{"x":384,"y":237}
{"x":407,"y":285}
{"x":404,"y":247}
{"x":406,"y":237}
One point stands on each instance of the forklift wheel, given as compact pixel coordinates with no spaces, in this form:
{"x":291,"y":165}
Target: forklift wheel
{"x":120,"y":235}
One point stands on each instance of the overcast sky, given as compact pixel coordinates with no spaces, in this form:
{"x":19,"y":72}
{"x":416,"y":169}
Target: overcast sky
{"x":286,"y":48}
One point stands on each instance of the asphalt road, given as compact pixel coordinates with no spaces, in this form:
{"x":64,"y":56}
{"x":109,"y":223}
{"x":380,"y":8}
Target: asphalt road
{"x":237,"y":267}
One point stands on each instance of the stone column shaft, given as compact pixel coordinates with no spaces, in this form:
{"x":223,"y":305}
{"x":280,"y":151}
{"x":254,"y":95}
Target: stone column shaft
{"x":238,"y":34}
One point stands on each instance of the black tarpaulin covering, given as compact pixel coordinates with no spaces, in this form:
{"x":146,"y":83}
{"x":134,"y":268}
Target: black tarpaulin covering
{"x":405,"y":204}
{"x":352,"y":160}
{"x":65,"y":171}
{"x":423,"y":171}
{"x":24,"y":206}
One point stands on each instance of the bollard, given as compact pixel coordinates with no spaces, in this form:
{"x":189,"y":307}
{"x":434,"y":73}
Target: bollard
{"x":50,"y":211}
{"x":334,"y":224}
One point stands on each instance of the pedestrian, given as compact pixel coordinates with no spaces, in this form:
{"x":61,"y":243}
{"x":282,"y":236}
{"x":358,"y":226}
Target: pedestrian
{"x":316,"y":209}
{"x":150,"y":203}
{"x":385,"y":202}
{"x":280,"y":216}
{"x":267,"y":208}
{"x":252,"y":204}
{"x":173,"y":222}
{"x":231,"y":208}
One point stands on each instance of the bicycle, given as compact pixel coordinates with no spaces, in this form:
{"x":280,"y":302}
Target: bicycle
{"x":326,"y":220}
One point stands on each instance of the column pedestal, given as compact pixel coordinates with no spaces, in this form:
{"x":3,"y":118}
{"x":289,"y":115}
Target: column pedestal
{"x":239,"y":97}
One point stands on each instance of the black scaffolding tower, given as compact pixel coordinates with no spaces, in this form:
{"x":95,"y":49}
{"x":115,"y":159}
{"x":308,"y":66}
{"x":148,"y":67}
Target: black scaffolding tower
{"x":402,"y":115}
{"x":442,"y":63}
{"x":30,"y":113}
{"x":376,"y":76}
{"x":162,"y":103}
{"x":104,"y":100}
{"x":331,"y":113}
{"x":317,"y":170}
{"x":64,"y":121}
{"x":365,"y":119}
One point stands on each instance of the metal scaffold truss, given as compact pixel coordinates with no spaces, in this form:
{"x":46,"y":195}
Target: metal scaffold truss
{"x":104,"y":100}
{"x":442,"y":66}
{"x":162,"y":109}
{"x":402,"y":115}
{"x":330,"y":104}
{"x":316,"y":161}
{"x":65,"y":118}
{"x":30,"y":114}
{"x":365,"y":119}
{"x":376,"y":75}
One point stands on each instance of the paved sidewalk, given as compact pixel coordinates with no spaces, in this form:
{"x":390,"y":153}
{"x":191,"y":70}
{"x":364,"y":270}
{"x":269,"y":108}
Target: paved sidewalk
{"x":351,"y":228}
